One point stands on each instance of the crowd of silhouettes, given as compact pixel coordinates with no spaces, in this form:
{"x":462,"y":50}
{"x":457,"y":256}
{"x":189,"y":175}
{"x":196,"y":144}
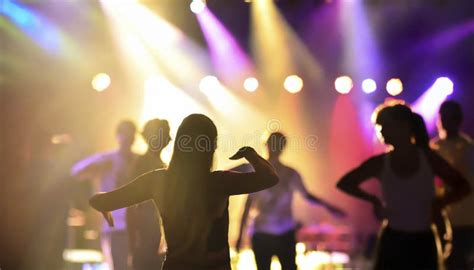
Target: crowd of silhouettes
{"x":178,"y":216}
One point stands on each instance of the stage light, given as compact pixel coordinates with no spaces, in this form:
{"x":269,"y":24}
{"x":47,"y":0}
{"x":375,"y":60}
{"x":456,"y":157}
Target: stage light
{"x":197,"y":6}
{"x":229,"y":60}
{"x":300,"y":248}
{"x":100,"y":82}
{"x":343,"y":84}
{"x":251,"y":84}
{"x":444,"y":85}
{"x":369,"y":86}
{"x":394,"y":86}
{"x":208,"y":84}
{"x":428,"y":104}
{"x":293,"y":84}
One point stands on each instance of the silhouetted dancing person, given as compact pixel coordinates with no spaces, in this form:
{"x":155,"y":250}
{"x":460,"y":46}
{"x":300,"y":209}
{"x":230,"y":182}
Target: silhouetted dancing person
{"x":113,"y":169}
{"x":458,"y":149}
{"x":408,"y":239}
{"x":143,"y":223}
{"x":274,"y":226}
{"x":192,"y":200}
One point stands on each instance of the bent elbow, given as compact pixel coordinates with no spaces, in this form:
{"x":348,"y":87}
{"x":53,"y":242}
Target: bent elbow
{"x":274,"y":179}
{"x":94,"y":202}
{"x":341,"y":185}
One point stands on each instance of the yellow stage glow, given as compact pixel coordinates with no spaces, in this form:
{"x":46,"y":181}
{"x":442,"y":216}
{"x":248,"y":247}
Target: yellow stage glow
{"x":271,"y":33}
{"x":100,"y":82}
{"x":165,"y":101}
{"x":251,"y":84}
{"x":300,"y":248}
{"x":394,"y":87}
{"x":82,"y":256}
{"x":308,"y":260}
{"x":218,"y":95}
{"x":293,"y":84}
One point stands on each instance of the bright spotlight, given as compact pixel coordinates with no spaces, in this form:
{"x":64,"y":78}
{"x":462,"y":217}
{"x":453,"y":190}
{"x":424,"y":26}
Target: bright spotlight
{"x":209,"y":83}
{"x":154,"y":83}
{"x":293,"y":84}
{"x":343,"y":84}
{"x":197,"y":6}
{"x":369,"y":86}
{"x":394,"y":86}
{"x":444,"y":85}
{"x":428,"y":103}
{"x":251,"y":84}
{"x":100,"y":82}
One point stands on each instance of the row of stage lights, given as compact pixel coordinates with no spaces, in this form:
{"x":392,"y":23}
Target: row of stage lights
{"x":344,"y":85}
{"x":294,"y":84}
{"x":394,"y":86}
{"x":197,"y":6}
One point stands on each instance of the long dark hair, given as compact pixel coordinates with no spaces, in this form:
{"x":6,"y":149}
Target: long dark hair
{"x":420,"y":132}
{"x":186,"y":196}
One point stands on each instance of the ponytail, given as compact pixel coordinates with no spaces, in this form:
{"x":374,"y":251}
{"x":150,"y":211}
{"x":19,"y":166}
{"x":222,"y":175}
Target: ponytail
{"x":420,"y":132}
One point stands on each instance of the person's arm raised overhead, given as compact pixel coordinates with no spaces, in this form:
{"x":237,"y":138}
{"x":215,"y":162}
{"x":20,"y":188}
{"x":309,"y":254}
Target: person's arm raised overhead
{"x":234,"y":183}
{"x":350,"y":183}
{"x":139,"y":190}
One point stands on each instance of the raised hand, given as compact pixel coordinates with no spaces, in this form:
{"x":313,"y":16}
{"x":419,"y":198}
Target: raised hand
{"x":243,"y":152}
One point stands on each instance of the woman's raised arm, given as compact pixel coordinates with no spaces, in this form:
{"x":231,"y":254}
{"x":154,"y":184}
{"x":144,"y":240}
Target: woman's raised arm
{"x":234,"y":183}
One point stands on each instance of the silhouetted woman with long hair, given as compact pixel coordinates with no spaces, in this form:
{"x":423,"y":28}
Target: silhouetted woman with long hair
{"x":408,"y":239}
{"x":193,"y":200}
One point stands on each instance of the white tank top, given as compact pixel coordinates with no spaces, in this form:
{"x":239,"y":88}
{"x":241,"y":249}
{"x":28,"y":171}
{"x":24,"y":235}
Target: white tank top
{"x":408,"y":199}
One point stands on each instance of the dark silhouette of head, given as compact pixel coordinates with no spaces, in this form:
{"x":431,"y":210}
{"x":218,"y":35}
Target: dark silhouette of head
{"x":156,"y":134}
{"x":276,"y":142}
{"x":399,"y":125}
{"x":195,"y":144}
{"x":451,"y":117}
{"x":125,"y":133}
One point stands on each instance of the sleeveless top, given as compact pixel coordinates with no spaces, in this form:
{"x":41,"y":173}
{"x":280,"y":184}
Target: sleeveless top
{"x":217,"y":257}
{"x":408,"y":199}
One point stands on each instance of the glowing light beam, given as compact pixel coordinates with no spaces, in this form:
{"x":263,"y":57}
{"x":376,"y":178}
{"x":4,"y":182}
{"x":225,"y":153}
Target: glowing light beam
{"x":429,"y":102}
{"x":37,"y":27}
{"x":229,"y":60}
